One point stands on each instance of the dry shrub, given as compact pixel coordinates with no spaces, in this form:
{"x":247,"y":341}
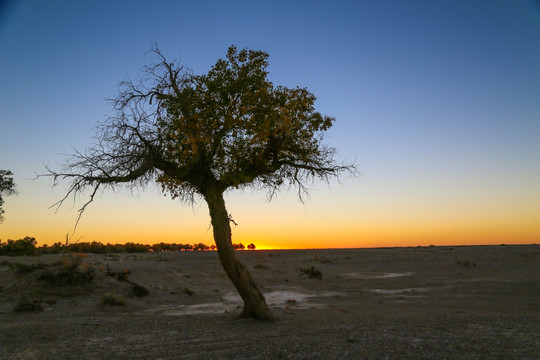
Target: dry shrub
{"x":312,"y":272}
{"x":112,"y":300}
{"x":139,"y":290}
{"x":28,"y":306}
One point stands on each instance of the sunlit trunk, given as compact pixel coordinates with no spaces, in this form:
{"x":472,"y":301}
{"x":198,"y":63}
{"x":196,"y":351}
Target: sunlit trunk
{"x":254,"y":302}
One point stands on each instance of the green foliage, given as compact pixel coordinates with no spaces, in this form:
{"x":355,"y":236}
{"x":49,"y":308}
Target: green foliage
{"x":26,"y":246}
{"x":311,"y":272}
{"x":7,"y":187}
{"x":201,"y":134}
{"x":234,"y":125}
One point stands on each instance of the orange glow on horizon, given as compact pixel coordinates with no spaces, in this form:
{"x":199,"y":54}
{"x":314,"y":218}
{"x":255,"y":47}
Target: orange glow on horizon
{"x":437,"y":238}
{"x":278,"y":225}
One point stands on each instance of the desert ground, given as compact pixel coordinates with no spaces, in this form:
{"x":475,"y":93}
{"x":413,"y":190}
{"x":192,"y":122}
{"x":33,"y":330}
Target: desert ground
{"x":474,"y":302}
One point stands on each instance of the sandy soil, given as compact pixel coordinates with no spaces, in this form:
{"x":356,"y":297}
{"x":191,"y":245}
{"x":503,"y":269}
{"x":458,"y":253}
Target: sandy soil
{"x":478,"y":302}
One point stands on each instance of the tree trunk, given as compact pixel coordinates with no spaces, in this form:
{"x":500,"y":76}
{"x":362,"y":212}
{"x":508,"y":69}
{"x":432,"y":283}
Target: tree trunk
{"x":254,"y":302}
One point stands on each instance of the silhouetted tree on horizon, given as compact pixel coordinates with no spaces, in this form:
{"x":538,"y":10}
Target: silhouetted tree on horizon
{"x":199,"y":136}
{"x":7,"y":187}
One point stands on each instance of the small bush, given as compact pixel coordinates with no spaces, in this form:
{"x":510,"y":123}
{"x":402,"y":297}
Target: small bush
{"x":68,"y":275}
{"x":28,"y":306}
{"x":311,"y":272}
{"x":188,"y":291}
{"x":112,"y":300}
{"x":123,"y":276}
{"x":139,"y":290}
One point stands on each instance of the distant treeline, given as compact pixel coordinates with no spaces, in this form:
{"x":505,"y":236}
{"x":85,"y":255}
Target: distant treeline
{"x":28,"y":246}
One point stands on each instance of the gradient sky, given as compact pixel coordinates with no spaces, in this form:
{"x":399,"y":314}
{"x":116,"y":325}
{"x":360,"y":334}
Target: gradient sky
{"x":438,"y":102}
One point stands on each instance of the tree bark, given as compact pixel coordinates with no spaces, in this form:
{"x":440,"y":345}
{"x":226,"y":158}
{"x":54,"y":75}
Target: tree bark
{"x":254,"y":302}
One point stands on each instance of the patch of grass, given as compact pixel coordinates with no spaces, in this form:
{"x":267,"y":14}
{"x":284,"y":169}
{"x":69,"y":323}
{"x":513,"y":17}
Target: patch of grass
{"x":69,"y":271}
{"x":312,"y":272}
{"x":28,"y":306}
{"x":24,"y":269}
{"x":325,"y":260}
{"x":112,"y":300}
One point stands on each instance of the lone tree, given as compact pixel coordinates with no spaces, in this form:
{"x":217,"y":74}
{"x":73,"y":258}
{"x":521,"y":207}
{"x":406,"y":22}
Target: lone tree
{"x":7,"y":187}
{"x":199,"y":136}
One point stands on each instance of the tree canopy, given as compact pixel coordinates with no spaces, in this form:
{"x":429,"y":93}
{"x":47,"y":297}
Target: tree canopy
{"x":229,"y":128}
{"x":7,"y":187}
{"x":201,"y":135}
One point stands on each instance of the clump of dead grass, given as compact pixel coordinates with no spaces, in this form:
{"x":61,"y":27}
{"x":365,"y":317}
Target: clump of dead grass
{"x":71,"y":270}
{"x":312,"y":272}
{"x":112,"y":299}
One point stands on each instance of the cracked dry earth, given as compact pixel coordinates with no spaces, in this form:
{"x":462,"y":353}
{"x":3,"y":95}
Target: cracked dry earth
{"x":475,"y":302}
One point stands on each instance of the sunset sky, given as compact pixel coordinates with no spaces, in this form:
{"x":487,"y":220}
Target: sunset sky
{"x":438,"y":102}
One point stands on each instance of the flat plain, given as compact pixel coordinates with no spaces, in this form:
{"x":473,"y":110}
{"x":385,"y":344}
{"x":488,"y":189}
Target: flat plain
{"x":437,"y":302}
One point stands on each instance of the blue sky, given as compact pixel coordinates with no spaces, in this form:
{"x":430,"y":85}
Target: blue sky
{"x":438,"y":102}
